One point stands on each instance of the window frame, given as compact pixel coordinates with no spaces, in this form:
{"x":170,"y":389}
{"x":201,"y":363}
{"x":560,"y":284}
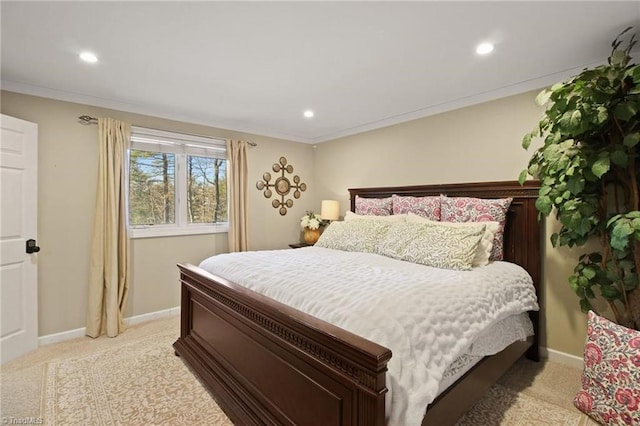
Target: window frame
{"x":181,"y":145}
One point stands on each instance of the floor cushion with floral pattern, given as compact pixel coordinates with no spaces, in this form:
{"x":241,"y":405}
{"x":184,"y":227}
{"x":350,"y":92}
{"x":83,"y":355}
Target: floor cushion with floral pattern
{"x":610,"y":391}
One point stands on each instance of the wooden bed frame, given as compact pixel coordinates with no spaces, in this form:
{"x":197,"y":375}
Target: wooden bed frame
{"x":267,"y":363}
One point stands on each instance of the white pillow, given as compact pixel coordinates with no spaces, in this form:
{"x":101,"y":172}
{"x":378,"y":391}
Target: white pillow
{"x":349,"y":216}
{"x":483,"y":252}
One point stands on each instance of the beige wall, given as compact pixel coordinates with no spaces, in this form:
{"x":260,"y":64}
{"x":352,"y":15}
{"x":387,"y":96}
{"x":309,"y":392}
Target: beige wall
{"x":478,"y":143}
{"x":66,"y":196}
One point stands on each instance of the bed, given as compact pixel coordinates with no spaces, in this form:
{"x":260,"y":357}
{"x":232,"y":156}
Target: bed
{"x":236,"y":340}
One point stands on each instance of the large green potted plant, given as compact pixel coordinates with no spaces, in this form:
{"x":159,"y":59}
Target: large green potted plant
{"x":589,"y":170}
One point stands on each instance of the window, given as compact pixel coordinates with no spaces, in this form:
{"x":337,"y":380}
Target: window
{"x":177,"y":184}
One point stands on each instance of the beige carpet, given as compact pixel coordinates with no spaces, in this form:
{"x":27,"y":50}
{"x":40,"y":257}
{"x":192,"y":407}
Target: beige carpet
{"x":135,"y":379}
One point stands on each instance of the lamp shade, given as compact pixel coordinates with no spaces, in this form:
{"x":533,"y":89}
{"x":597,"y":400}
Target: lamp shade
{"x":330,"y":210}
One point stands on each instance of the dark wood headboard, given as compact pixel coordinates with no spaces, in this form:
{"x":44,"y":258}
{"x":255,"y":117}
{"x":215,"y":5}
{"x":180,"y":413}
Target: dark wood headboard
{"x":524,"y":233}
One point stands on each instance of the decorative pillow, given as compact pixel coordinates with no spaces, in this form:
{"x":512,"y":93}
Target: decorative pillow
{"x":467,"y":209}
{"x":397,"y":239}
{"x":349,"y":215}
{"x":428,"y":207}
{"x":611,"y":378}
{"x":373,"y":206}
{"x":483,"y":251}
{"x":432,"y":244}
{"x":355,"y":235}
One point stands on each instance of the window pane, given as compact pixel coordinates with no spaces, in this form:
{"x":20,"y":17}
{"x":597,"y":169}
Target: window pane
{"x":151,"y":187}
{"x":206,"y":190}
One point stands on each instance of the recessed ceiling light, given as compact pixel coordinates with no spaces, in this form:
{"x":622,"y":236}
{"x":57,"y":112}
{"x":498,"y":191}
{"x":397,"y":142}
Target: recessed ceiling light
{"x":308,"y":113}
{"x":89,"y":57}
{"x":484,"y":48}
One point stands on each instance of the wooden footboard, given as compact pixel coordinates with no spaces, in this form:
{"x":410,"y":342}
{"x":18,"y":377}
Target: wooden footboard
{"x":266,"y":363}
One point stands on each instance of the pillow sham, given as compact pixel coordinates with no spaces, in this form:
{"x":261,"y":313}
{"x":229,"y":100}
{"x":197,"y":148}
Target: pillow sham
{"x":396,"y":241}
{"x":468,"y":209}
{"x":428,"y":207}
{"x":483,"y":252}
{"x":354,"y":235}
{"x":433,"y":244}
{"x":349,"y":215}
{"x":373,"y":206}
{"x":610,"y":390}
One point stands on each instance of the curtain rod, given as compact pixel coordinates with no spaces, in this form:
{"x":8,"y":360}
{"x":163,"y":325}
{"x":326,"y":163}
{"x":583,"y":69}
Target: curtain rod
{"x":87,"y":119}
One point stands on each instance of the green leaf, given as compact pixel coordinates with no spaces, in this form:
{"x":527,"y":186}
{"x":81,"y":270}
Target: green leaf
{"x":557,"y":87}
{"x":631,"y":139}
{"x":619,"y":58}
{"x":526,"y":141}
{"x":583,"y":281}
{"x":543,"y":97}
{"x":575,"y":185}
{"x":585,"y":305}
{"x":554,"y":239}
{"x":610,"y":292}
{"x":570,"y":120}
{"x":613,"y":220}
{"x":589,"y":272}
{"x":620,"y":235}
{"x":626,"y":110}
{"x":543,"y":204}
{"x":602,"y":115}
{"x":551,"y":152}
{"x":573,"y":220}
{"x":619,"y":158}
{"x":588,"y":291}
{"x":601,"y":166}
{"x":585,"y":226}
{"x":573,"y":282}
{"x":523,"y":176}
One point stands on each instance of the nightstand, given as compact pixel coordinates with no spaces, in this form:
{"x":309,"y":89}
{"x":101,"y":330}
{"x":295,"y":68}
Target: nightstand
{"x":299,"y":245}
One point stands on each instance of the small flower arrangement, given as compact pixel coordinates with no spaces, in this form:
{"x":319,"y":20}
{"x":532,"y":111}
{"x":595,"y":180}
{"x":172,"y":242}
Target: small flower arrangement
{"x":310,"y":220}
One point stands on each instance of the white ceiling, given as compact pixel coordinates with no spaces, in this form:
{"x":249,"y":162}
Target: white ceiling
{"x":256,"y":66}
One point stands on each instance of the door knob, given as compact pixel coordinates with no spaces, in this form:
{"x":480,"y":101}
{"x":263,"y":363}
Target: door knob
{"x":32,"y":247}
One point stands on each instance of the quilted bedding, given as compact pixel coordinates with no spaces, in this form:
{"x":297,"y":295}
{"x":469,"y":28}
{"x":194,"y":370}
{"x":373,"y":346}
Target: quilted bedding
{"x":426,"y":316}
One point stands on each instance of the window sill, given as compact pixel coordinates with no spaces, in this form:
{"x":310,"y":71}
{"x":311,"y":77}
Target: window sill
{"x":174,"y":231}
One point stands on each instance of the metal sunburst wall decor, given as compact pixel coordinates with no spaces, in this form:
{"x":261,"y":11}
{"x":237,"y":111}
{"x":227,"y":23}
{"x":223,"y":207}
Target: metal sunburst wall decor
{"x":281,"y":185}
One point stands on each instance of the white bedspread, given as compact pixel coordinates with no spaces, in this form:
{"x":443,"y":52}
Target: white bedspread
{"x":426,"y":316}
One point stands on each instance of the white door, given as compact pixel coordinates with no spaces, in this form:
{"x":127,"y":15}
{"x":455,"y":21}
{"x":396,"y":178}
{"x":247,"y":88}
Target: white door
{"x":18,"y":223}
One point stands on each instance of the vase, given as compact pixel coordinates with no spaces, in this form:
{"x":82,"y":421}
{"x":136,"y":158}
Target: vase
{"x":310,"y":236}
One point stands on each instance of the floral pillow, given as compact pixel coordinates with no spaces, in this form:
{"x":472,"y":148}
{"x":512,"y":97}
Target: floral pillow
{"x":355,"y":235}
{"x":428,"y":207}
{"x":432,"y":244}
{"x":467,"y":209}
{"x":373,"y":206}
{"x":611,"y":378}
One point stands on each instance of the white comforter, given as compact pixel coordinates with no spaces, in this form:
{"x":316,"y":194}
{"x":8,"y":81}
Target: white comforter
{"x":426,"y":316}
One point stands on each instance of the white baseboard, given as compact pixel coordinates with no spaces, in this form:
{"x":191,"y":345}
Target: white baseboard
{"x":80,"y":332}
{"x":562,"y":358}
{"x":152,"y":315}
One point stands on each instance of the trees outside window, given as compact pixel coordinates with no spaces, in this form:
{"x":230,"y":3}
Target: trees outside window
{"x":177,"y":184}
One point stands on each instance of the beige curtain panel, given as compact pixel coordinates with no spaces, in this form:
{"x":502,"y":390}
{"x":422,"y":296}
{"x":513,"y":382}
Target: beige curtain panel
{"x":109,"y":267}
{"x":237,"y":188}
